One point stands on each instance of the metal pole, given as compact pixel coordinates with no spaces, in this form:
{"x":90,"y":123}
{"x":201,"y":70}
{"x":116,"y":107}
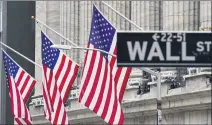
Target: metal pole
{"x":145,"y":69}
{"x":159,"y":112}
{"x":159,"y":103}
{"x":149,"y":71}
{"x":159,"y":106}
{"x":123,"y":16}
{"x":21,"y":55}
{"x":67,"y":47}
{"x":54,"y":31}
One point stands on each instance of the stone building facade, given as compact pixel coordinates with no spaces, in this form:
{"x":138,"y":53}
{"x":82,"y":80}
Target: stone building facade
{"x":72,"y":19}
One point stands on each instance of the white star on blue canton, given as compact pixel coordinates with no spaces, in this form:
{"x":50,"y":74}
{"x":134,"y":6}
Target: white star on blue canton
{"x":101,"y":37}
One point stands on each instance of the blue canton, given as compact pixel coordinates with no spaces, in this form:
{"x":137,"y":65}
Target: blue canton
{"x":49,"y":55}
{"x":11,"y":68}
{"x":102,"y":32}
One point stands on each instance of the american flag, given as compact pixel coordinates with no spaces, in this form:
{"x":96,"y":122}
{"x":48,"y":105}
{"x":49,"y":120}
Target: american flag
{"x":20,"y":85}
{"x":103,"y":83}
{"x":59,"y":73}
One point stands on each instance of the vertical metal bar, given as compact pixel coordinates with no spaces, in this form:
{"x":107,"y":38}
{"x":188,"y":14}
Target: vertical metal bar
{"x":159,"y":106}
{"x":198,"y":16}
{"x":211,"y":46}
{"x":159,"y":112}
{"x":3,"y":86}
{"x":160,"y":13}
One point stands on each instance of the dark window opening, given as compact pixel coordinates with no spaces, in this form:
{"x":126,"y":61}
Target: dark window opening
{"x":176,"y":84}
{"x":143,"y":88}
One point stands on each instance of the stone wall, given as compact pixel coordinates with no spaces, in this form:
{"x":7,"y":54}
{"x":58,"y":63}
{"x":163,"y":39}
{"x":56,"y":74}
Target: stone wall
{"x":73,"y":19}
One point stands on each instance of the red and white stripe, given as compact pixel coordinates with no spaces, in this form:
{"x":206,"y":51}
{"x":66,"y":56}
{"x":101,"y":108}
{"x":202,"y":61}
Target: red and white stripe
{"x":18,"y":106}
{"x":59,"y":73}
{"x":121,"y":75}
{"x":25,"y":84}
{"x":20,"y":87}
{"x":65,"y":73}
{"x":54,"y":107}
{"x":103,"y":85}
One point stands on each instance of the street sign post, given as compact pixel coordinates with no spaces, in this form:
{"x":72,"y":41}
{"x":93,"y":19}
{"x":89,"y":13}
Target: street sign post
{"x":164,"y":49}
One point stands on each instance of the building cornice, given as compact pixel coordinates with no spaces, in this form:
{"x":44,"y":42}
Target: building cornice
{"x":144,"y":107}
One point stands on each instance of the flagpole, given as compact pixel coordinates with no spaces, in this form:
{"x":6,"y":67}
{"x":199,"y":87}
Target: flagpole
{"x":67,"y":47}
{"x":38,"y":21}
{"x":158,"y":75}
{"x":76,"y":46}
{"x":159,"y":113}
{"x":123,"y":16}
{"x":21,"y":55}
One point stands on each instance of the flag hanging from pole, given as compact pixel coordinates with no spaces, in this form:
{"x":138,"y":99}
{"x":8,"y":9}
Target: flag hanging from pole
{"x":64,"y":68}
{"x":20,"y":85}
{"x":103,"y":83}
{"x":59,"y":73}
